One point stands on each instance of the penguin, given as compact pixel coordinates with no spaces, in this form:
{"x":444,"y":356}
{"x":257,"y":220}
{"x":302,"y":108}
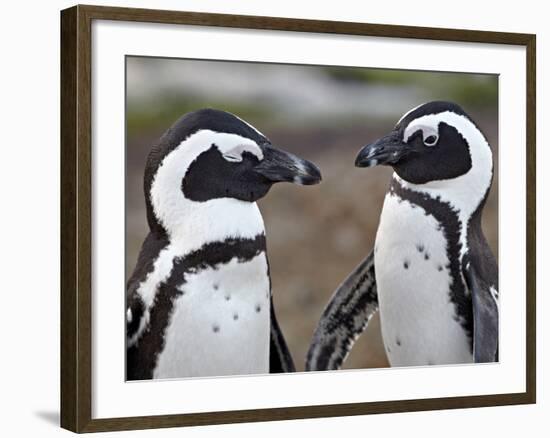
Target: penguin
{"x":199,"y":300}
{"x":431,"y":275}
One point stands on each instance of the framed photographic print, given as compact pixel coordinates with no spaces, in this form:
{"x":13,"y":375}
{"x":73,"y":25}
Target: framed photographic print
{"x":303,"y":218}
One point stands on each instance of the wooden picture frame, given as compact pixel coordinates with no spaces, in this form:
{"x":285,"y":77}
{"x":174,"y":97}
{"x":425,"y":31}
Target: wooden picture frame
{"x":76,"y":222}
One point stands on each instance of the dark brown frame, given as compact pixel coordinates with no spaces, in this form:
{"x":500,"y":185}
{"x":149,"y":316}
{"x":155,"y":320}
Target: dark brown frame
{"x":76,"y":335}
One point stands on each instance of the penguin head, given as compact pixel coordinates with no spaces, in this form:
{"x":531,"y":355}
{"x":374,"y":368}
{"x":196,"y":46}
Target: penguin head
{"x":211,"y":155}
{"x":435,"y":143}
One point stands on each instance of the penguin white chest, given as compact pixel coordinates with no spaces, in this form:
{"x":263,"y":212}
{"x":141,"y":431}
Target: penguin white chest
{"x":220,"y":324}
{"x":418,"y":319}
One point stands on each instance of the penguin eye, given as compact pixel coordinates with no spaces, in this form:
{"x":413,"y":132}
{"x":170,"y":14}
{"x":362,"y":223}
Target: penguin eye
{"x":431,"y":140}
{"x":233,"y":158}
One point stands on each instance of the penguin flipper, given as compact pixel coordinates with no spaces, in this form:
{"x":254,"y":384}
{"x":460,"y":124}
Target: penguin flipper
{"x":345,"y":317}
{"x":280,"y":360}
{"x":485,"y":310}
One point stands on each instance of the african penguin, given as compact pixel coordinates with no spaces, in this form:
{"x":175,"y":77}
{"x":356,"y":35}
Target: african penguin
{"x":199,"y":300}
{"x":432,"y":274}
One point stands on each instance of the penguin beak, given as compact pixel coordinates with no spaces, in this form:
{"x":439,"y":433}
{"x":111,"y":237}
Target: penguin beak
{"x":388,"y":150}
{"x":278,"y":165}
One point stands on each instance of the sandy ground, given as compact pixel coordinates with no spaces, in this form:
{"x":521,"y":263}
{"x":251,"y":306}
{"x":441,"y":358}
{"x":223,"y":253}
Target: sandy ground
{"x":315,"y":235}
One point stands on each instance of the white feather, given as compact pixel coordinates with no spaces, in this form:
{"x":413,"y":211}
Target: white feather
{"x":220,"y":324}
{"x":250,"y":126}
{"x":415,"y":309}
{"x":494,"y":294}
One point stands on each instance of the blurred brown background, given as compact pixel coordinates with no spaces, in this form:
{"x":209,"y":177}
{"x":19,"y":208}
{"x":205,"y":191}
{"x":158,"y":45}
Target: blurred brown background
{"x":315,"y":235}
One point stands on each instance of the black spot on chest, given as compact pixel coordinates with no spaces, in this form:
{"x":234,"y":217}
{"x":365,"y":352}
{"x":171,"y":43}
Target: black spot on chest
{"x":141,"y":358}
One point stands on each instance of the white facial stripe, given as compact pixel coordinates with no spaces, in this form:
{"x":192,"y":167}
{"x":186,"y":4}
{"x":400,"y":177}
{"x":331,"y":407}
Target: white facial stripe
{"x":464,"y":193}
{"x":179,"y":215}
{"x":426,"y":127}
{"x":250,"y":126}
{"x":429,"y":124}
{"x":235,"y":154}
{"x":165,"y":189}
{"x":408,"y":112}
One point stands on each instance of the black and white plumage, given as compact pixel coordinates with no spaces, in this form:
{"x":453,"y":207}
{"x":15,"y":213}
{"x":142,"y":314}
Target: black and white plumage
{"x":431,"y":274}
{"x":199,"y":301}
